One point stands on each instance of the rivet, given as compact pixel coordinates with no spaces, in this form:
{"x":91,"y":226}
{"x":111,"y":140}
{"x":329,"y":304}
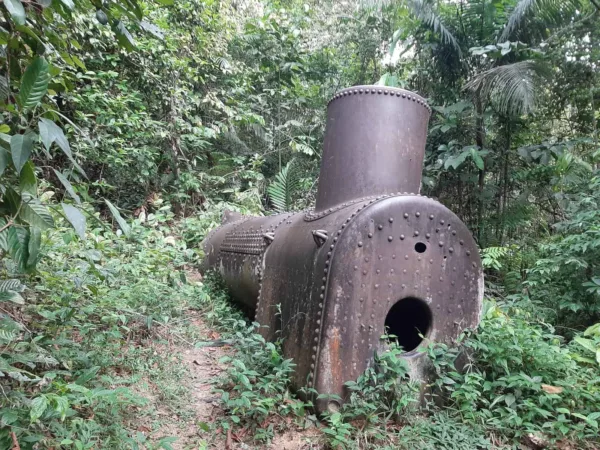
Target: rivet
{"x":403,"y":95}
{"x":468,"y":253}
{"x":391,"y":219}
{"x":314,"y":349}
{"x":451,"y":250}
{"x":401,"y":237}
{"x":390,"y":238}
{"x":431,"y":261}
{"x":321,"y":296}
{"x":328,"y":254}
{"x":403,"y":286}
{"x":428,"y":235}
{"x":364,"y":272}
{"x":331,"y":247}
{"x":312,"y":366}
{"x":318,"y":322}
{"x":367,"y":259}
{"x":322,"y":288}
{"x":393,"y":256}
{"x":430,"y":216}
{"x":418,"y":214}
{"x":376,"y":286}
{"x":442,"y":222}
{"x":441,"y":244}
{"x":461,"y":242}
{"x":380,"y":227}
{"x":370,"y":235}
{"x":404,"y":271}
{"x":405,"y":256}
{"x":355,"y":267}
{"x":453,"y":232}
{"x":406,"y":215}
{"x":416,"y":233}
{"x":335,"y":239}
{"x":378,"y":271}
{"x":360,"y":244}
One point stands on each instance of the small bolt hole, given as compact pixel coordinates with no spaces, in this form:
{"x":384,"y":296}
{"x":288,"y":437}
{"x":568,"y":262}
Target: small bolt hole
{"x":420,"y":247}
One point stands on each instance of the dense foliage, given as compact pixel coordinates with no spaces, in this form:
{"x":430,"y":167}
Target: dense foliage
{"x":127,"y":127}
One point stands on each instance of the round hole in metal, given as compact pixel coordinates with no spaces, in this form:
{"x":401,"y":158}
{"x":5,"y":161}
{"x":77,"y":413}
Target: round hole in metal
{"x":420,"y":247}
{"x":407,"y":321}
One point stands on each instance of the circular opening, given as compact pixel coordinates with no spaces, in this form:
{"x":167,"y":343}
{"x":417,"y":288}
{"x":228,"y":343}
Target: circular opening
{"x":420,"y":247}
{"x":408,"y":320}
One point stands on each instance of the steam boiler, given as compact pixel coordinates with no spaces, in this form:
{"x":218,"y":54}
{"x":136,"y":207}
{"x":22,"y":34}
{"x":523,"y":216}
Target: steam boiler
{"x":372,"y":258}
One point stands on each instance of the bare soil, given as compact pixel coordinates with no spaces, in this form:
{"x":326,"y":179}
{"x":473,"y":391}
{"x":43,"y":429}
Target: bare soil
{"x":201,"y":407}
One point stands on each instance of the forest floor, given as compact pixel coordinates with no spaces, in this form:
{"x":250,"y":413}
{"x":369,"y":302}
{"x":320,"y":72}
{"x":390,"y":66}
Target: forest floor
{"x":191,"y":418}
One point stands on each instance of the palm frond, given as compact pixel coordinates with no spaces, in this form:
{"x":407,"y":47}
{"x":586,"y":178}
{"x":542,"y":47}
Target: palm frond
{"x":512,"y":87}
{"x":551,"y":13}
{"x":281,"y":191}
{"x":425,"y":12}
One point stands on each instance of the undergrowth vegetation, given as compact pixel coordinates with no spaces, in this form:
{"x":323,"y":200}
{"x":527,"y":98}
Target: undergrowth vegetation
{"x":127,"y":127}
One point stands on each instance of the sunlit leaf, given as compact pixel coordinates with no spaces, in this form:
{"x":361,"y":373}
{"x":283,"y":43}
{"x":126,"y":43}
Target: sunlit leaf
{"x":76,"y":218}
{"x":117,"y":215}
{"x":16,"y":10}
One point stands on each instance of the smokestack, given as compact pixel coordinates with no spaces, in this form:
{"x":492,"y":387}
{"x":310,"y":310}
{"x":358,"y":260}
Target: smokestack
{"x":374,"y":144}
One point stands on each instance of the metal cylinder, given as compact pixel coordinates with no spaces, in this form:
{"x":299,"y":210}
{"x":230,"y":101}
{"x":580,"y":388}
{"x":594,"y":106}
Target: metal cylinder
{"x":374,"y":144}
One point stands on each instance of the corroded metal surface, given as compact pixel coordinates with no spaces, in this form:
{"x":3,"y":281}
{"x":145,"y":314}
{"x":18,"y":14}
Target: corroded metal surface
{"x":369,"y":260}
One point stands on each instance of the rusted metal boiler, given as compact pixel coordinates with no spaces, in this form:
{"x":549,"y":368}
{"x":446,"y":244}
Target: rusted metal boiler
{"x":373,"y":257}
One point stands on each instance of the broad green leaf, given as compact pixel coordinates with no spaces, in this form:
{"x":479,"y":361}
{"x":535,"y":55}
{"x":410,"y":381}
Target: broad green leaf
{"x":27,"y":179}
{"x":4,"y":128}
{"x":50,"y":132}
{"x":34,"y":83}
{"x":38,"y":407}
{"x":122,"y":224}
{"x":21,"y":146}
{"x":76,"y":218}
{"x":18,"y":242}
{"x":3,"y":160}
{"x":68,"y":187}
{"x":34,"y":213}
{"x":16,"y":11}
{"x":4,"y":90}
{"x":165,"y":2}
{"x":124,"y":36}
{"x":68,"y":3}
{"x":33,"y":247}
{"x":478,"y":160}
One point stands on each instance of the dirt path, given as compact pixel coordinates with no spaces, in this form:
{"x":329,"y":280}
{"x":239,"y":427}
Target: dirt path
{"x":200,"y":410}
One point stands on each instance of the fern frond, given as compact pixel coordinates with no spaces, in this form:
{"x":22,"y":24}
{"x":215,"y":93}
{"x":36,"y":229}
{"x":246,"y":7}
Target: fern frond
{"x":281,"y":190}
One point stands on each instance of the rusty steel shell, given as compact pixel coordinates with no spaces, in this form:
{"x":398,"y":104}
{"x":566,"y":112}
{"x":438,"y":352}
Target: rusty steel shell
{"x":331,"y":283}
{"x":374,"y":144}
